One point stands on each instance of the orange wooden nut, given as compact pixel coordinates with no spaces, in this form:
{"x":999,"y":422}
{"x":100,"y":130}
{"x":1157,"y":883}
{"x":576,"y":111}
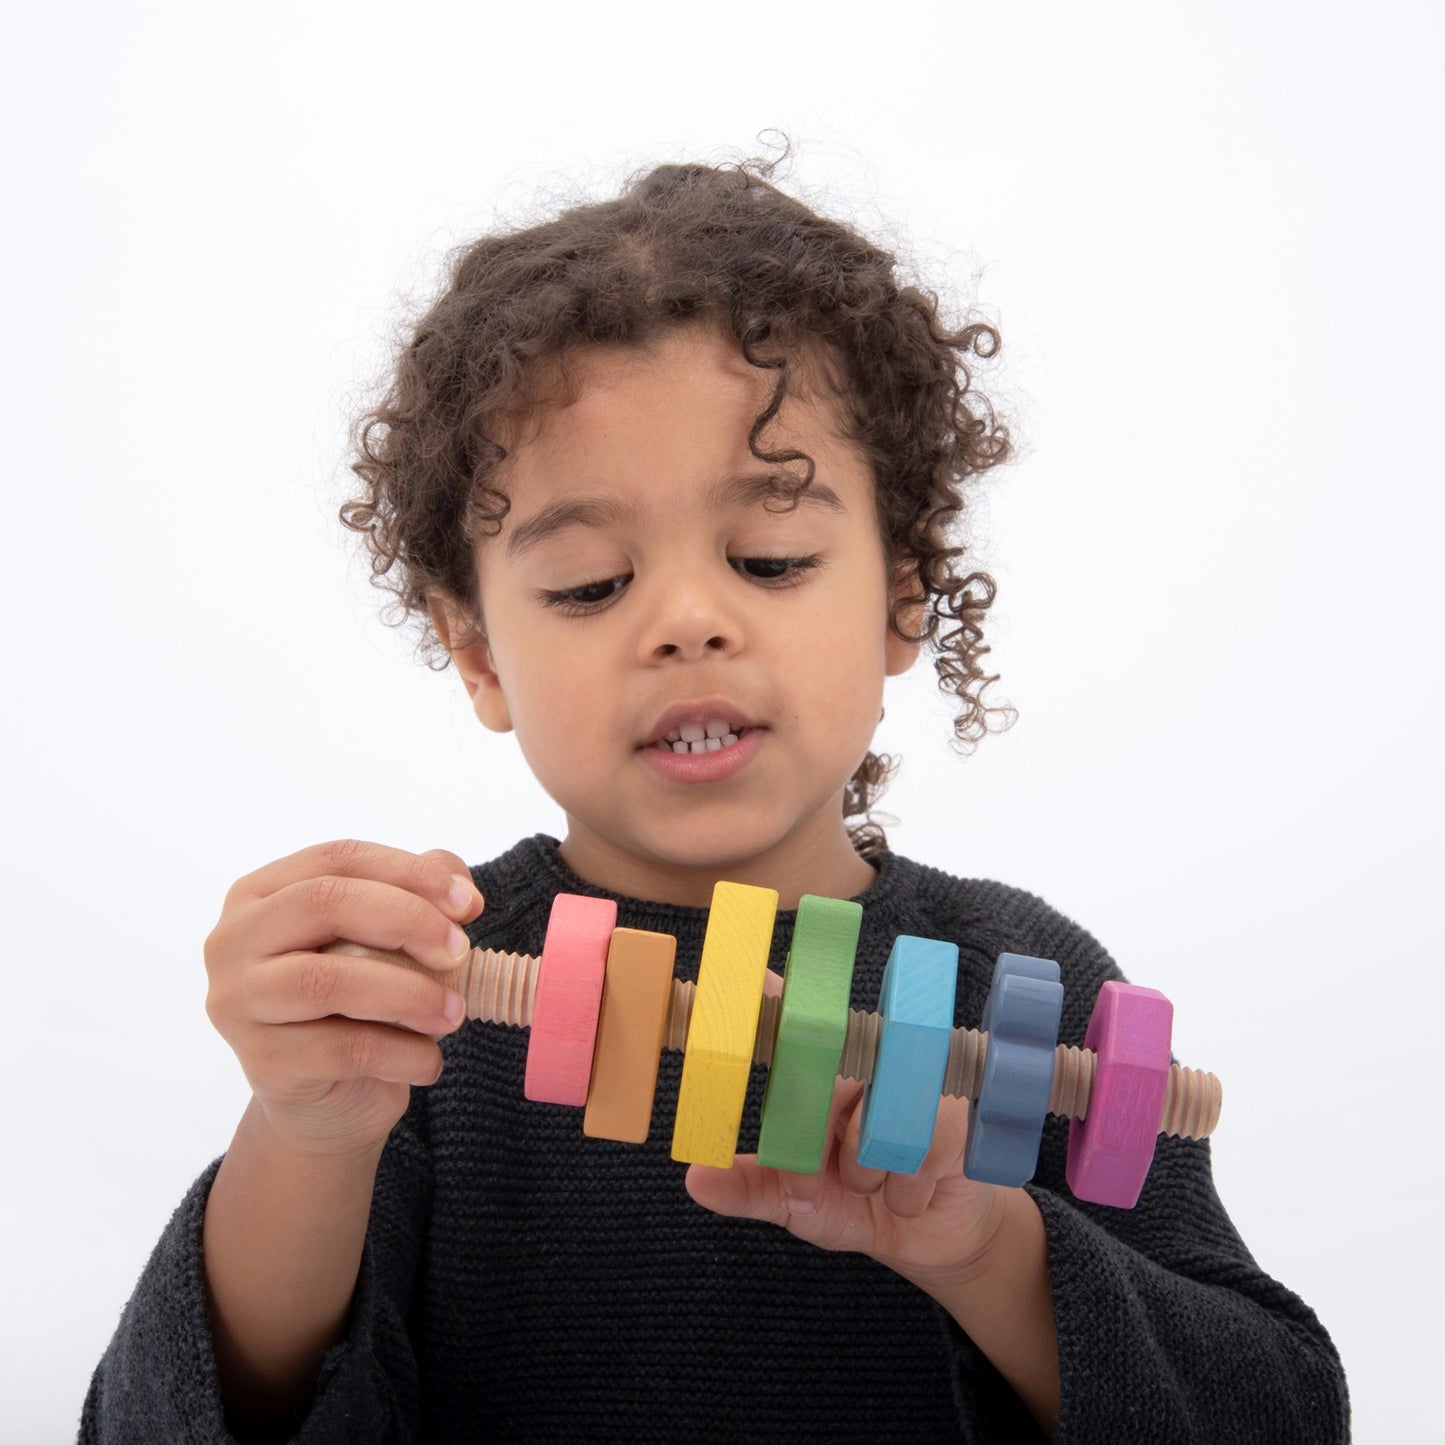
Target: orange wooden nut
{"x":635,"y":996}
{"x":569,"y":993}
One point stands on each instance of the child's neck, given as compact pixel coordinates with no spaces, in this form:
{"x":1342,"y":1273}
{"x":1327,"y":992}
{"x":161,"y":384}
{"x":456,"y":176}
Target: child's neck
{"x":826,"y":866}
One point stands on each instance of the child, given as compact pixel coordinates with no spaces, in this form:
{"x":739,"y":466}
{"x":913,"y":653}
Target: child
{"x":687,"y":460}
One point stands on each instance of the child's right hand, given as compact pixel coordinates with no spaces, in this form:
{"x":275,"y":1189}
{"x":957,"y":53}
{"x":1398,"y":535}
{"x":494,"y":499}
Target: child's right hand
{"x":329,"y":1042}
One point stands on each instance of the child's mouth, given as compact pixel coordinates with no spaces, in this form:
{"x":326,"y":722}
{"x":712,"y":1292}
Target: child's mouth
{"x":709,"y":737}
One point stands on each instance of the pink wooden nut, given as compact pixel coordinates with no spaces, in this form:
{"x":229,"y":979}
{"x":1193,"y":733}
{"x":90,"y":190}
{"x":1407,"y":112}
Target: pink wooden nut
{"x":569,"y":997}
{"x":1111,"y":1148}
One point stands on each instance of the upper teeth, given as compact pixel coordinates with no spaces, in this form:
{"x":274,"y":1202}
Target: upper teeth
{"x":706,"y":737}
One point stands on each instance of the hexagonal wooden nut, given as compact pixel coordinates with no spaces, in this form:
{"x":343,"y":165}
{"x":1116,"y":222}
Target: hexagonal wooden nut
{"x":724,"y":1024}
{"x":812,"y":1024}
{"x":635,"y":996}
{"x":915,"y":1006}
{"x":1110,"y":1150}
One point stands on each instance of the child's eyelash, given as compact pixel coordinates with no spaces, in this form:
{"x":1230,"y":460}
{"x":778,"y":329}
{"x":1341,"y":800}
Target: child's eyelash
{"x":776,"y":571}
{"x":589,"y":597}
{"x":773,"y":572}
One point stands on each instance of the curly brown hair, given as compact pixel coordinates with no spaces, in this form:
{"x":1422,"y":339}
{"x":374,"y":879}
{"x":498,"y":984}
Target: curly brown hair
{"x":721,"y":245}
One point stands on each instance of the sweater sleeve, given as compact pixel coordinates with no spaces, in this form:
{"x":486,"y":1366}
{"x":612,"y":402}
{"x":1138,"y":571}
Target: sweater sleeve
{"x":157,"y":1379}
{"x":1164,"y":1337}
{"x":1169,"y":1332}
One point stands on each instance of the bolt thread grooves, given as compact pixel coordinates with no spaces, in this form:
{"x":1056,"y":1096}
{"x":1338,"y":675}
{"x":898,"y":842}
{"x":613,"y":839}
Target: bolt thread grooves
{"x":963,"y":1075}
{"x":500,"y":988}
{"x":860,"y":1045}
{"x":1191,"y":1104}
{"x":1073,"y":1081}
{"x":679,"y":1015}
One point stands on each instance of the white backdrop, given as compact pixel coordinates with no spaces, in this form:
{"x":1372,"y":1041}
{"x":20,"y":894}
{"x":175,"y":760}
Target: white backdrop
{"x":1212,"y":241}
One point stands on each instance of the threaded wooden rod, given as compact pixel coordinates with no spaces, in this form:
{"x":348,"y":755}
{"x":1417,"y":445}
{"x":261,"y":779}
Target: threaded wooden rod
{"x":499,"y":988}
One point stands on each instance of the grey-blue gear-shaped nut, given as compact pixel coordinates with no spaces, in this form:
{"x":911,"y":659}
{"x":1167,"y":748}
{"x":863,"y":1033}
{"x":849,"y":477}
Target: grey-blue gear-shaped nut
{"x":1006,"y":1120}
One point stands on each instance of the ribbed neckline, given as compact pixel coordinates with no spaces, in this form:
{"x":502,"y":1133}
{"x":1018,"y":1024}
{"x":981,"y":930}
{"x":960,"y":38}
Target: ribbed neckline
{"x":537,"y":856}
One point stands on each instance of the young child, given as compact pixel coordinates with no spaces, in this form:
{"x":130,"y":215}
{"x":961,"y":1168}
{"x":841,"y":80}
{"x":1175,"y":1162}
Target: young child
{"x":686,"y":460}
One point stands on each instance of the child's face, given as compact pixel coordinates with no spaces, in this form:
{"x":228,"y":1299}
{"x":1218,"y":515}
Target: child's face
{"x":640,"y":584}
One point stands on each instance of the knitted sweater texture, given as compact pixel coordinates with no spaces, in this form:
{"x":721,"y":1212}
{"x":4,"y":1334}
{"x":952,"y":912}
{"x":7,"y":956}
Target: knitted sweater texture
{"x":524,"y":1282}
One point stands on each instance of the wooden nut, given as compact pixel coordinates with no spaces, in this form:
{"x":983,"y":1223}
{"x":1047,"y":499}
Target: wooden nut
{"x":1111,"y":1149}
{"x":569,"y":995}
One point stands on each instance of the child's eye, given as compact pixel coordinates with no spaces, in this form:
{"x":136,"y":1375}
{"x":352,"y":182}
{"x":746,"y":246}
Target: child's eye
{"x":781,"y":571}
{"x":587,"y":598}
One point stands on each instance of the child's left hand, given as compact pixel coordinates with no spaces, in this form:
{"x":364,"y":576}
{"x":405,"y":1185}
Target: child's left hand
{"x":978,"y":1249}
{"x":933,"y":1227}
{"x":929,"y":1227}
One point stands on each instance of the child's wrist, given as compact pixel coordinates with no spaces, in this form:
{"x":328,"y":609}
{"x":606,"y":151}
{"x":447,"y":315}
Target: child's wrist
{"x":300,"y":1150}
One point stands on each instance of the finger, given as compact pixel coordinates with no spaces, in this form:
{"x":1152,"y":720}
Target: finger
{"x":950,"y":1137}
{"x":313,"y":912}
{"x":300,"y":986}
{"x":750,"y":1191}
{"x":464,"y":892}
{"x":439,"y":876}
{"x":745,"y":1191}
{"x":909,"y":1195}
{"x":303,"y":1060}
{"x":803,"y":1193}
{"x":855,"y":1178}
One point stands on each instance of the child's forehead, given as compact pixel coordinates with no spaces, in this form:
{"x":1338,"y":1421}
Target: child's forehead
{"x":683,"y":378}
{"x":668,"y":432}
{"x":592,"y":378}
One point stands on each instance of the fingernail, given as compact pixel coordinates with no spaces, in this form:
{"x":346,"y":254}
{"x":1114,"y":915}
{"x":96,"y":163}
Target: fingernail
{"x":795,"y":1205}
{"x":454,"y":1008}
{"x":463,"y":893}
{"x":459,"y":944}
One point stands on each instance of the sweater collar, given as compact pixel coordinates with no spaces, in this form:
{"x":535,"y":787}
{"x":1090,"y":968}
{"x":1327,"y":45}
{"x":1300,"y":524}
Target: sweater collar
{"x":537,"y":858}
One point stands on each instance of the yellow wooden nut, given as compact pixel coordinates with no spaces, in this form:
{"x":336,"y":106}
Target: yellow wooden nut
{"x":724,"y":1024}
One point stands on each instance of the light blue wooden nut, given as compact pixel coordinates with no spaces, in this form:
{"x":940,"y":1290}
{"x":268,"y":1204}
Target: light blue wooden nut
{"x":900,"y":1104}
{"x":1006,"y":1121}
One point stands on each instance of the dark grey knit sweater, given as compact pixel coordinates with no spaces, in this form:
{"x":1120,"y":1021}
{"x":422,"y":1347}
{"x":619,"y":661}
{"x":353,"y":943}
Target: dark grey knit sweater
{"x":524,"y":1282}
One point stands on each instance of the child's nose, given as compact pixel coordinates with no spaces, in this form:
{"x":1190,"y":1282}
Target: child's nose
{"x":690,"y":621}
{"x":716,"y":643}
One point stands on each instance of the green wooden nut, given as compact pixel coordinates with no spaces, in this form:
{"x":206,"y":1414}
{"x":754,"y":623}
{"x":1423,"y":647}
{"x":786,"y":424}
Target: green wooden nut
{"x":812,"y":1022}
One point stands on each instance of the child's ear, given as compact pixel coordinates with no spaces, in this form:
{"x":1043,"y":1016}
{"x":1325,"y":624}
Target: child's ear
{"x":906,"y":610}
{"x":467,"y":645}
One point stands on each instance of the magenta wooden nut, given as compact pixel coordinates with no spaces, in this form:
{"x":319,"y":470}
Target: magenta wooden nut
{"x":1110,"y":1150}
{"x":569,"y":997}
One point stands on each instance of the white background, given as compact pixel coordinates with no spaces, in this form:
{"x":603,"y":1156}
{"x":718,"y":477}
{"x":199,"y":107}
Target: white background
{"x":1212,"y":237}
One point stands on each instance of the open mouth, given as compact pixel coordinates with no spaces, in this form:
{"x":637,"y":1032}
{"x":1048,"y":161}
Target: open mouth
{"x":710,"y":737}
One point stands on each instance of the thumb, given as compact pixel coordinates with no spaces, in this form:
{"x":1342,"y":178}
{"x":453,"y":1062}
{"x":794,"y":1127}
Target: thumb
{"x":745,"y":1191}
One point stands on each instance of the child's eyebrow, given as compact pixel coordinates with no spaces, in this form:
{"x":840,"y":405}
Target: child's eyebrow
{"x":559,"y":516}
{"x":604,"y":511}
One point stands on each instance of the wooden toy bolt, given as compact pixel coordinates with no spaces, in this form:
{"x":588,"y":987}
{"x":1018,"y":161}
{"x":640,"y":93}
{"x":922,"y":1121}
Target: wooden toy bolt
{"x":502,"y":987}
